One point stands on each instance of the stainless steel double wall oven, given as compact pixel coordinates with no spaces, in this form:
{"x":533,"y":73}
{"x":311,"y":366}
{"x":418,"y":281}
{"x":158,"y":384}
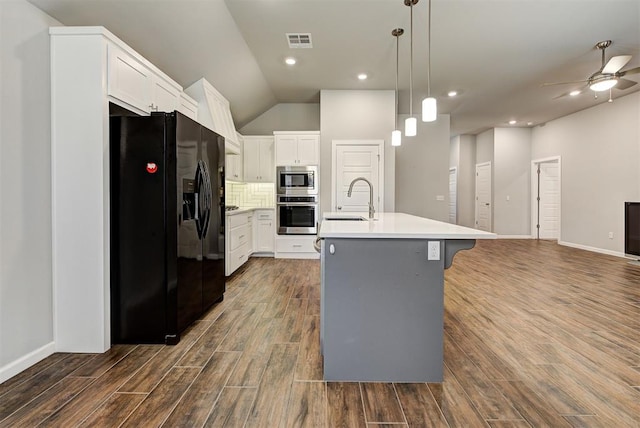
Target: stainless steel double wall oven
{"x":297,"y":200}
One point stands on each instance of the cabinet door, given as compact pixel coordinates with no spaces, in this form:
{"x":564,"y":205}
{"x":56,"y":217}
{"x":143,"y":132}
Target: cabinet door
{"x":267,"y":168}
{"x":308,"y":150}
{"x":251,"y":160}
{"x":129,"y":80}
{"x":249,"y":231}
{"x":233,"y":167}
{"x":165,"y":95}
{"x":188,"y":106}
{"x":265,"y":231}
{"x":286,"y":150}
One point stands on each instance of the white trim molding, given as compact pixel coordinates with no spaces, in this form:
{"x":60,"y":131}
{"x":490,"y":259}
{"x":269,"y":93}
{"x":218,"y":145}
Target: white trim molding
{"x":593,"y":249}
{"x":26,"y":361}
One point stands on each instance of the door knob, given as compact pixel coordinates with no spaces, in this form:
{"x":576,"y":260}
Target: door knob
{"x":339,"y":208}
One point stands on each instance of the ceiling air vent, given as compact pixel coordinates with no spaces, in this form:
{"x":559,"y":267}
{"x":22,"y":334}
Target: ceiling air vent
{"x":299,"y":40}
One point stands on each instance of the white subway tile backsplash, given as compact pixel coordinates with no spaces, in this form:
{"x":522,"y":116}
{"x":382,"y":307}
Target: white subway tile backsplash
{"x":250,"y":195}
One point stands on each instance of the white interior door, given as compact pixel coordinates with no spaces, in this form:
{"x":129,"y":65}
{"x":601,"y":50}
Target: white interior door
{"x":483,"y":196}
{"x":549,"y":203}
{"x":453,"y":198}
{"x":353,"y":161}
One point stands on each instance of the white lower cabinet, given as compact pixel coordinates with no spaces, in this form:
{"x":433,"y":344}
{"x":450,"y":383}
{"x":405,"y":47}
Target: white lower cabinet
{"x":248,"y":233}
{"x":296,"y":247}
{"x":237,"y":242}
{"x":264,"y":232}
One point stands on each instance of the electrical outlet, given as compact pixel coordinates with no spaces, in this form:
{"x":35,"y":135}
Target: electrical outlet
{"x":610,"y":235}
{"x":433,"y":252}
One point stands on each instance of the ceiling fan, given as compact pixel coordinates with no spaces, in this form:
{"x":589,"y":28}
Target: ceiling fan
{"x":609,"y":75}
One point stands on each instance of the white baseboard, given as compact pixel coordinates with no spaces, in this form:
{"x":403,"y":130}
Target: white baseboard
{"x":514,"y":237}
{"x":592,"y":249}
{"x":297,"y":255}
{"x":22,"y":363}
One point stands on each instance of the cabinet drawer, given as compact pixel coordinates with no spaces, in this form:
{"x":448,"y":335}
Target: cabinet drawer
{"x":238,"y":257}
{"x":265,"y":215}
{"x":238,"y":236}
{"x":237,"y":220}
{"x":290,"y":245}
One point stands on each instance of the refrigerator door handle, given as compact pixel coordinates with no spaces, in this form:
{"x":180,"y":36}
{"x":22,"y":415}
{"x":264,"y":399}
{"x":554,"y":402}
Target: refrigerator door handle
{"x":198,"y":193}
{"x":207,"y":199}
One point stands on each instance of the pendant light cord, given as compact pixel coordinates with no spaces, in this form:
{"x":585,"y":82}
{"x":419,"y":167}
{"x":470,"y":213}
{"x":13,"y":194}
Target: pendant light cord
{"x":429,"y":50}
{"x":411,"y":63}
{"x":397,"y":34}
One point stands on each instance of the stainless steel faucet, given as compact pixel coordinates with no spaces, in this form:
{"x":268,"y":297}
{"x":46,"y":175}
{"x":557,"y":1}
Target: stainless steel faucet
{"x":371,"y":210}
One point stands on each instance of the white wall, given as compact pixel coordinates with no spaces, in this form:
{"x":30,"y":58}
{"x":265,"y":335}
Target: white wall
{"x":511,"y":181}
{"x":422,"y":170}
{"x":348,"y":115}
{"x":484,"y":146}
{"x":463,"y":157}
{"x":26,"y":330}
{"x":600,"y":153}
{"x":285,"y":117}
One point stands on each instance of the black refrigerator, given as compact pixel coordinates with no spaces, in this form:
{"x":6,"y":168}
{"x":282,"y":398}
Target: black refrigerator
{"x":167,"y":225}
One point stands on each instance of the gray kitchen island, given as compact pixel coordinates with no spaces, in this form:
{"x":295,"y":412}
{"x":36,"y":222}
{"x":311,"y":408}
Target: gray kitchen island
{"x":382,"y":295}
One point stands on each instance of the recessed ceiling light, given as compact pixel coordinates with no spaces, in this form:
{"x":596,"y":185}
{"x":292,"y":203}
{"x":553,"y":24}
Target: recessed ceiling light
{"x":574,"y":93}
{"x":529,"y":123}
{"x":290,"y":61}
{"x":452,"y":93}
{"x":362,"y":76}
{"x":512,"y":122}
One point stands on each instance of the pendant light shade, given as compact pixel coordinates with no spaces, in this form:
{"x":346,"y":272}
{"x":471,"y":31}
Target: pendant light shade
{"x":396,"y":138}
{"x":429,"y":109}
{"x":429,"y":104}
{"x":396,"y":135}
{"x":410,"y":127}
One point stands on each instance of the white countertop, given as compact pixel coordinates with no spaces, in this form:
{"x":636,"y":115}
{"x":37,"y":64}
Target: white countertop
{"x":244,"y":210}
{"x":395,"y":225}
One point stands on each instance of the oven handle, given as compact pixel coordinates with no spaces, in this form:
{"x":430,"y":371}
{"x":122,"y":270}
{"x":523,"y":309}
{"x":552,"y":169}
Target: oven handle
{"x":298,"y":204}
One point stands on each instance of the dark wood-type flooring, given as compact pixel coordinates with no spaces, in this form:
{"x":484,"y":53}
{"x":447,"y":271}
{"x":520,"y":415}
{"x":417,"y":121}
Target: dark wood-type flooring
{"x":536,"y":334}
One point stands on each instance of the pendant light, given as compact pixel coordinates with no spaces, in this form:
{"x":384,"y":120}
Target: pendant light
{"x":429,"y":104}
{"x":411,"y":123}
{"x":396,"y":135}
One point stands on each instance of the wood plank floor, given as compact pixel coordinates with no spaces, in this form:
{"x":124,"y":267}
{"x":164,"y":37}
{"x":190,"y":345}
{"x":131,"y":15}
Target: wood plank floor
{"x":536,"y":335}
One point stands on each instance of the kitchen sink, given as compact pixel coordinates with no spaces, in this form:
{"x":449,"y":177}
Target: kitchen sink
{"x":344,"y":218}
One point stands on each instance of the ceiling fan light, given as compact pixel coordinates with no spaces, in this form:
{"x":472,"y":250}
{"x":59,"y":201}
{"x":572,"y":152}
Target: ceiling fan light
{"x":603,"y":85}
{"x":410,"y":127}
{"x":396,"y":138}
{"x":429,"y":109}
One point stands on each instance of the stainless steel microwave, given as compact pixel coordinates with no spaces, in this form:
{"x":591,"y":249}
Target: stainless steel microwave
{"x":297,"y":180}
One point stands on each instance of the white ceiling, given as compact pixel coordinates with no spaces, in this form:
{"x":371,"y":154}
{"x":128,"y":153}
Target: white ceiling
{"x":494,"y":53}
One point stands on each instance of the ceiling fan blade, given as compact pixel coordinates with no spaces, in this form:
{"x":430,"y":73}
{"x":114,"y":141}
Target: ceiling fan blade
{"x":616,"y":63}
{"x":625,"y":84}
{"x":629,"y":71}
{"x":563,"y":83}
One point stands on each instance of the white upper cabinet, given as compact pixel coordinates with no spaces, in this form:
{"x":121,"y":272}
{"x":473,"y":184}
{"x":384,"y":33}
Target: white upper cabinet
{"x":297,"y":148}
{"x":234,"y":163}
{"x":258,"y":159}
{"x":131,"y":81}
{"x":165,"y":95}
{"x":188,"y":106}
{"x":214,"y":113}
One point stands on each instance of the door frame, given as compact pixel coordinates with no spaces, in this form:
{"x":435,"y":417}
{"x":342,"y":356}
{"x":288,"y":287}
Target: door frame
{"x":334,"y":167}
{"x":475,"y":220}
{"x":534,"y":194}
{"x":454,"y":169}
